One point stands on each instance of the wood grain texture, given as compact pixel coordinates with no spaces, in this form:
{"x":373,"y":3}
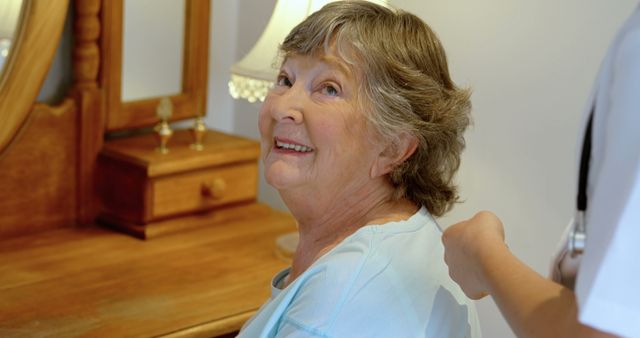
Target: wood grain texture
{"x":90,"y":139}
{"x":90,"y":101}
{"x":219,"y":149}
{"x":37,"y":38}
{"x":94,"y":282}
{"x":186,"y":192}
{"x":196,"y":53}
{"x":38,"y":173}
{"x":123,"y":189}
{"x":111,"y":57}
{"x":183,"y":223}
{"x":141,"y":113}
{"x":142,"y":189}
{"x":86,"y":52}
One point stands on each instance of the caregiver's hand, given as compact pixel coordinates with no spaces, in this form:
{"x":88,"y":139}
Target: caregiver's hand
{"x":470,"y":247}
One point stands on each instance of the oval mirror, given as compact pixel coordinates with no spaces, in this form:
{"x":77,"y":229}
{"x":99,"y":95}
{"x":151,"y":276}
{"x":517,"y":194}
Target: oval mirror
{"x":9,"y":17}
{"x":35,"y":38}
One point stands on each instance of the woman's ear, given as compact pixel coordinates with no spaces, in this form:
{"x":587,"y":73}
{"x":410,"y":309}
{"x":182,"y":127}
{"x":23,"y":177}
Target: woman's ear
{"x":394,"y":154}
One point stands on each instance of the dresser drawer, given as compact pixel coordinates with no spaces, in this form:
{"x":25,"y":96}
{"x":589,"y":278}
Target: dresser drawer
{"x":203,"y":189}
{"x":147,"y":193}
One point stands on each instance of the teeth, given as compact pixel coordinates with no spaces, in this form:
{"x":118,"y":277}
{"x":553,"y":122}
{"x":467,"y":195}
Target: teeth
{"x":296,"y":147}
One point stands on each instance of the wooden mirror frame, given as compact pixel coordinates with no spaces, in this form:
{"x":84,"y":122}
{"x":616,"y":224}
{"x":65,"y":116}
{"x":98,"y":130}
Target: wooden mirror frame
{"x":190,"y":103}
{"x":37,"y":37}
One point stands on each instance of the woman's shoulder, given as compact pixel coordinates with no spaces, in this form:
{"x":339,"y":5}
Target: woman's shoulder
{"x":402,"y":248}
{"x":393,"y":277}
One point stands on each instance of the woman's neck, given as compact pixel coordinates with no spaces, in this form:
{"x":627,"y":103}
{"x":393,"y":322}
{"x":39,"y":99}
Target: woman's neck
{"x":330,"y":223}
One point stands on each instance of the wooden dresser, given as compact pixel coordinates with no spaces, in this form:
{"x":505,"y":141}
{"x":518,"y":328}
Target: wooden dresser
{"x":94,"y":282}
{"x":212,"y":252}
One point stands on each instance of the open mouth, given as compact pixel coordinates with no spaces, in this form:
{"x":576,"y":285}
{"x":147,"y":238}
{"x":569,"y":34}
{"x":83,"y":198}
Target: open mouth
{"x":279,"y":144}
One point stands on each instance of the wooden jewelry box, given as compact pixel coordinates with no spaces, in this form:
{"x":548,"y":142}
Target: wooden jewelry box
{"x":147,"y":193}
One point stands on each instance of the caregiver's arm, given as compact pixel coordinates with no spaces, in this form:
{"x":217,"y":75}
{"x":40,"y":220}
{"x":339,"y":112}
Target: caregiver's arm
{"x":482,"y":264}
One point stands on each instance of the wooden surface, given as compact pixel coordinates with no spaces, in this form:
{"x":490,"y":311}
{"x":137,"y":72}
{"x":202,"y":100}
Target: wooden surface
{"x":219,"y":149}
{"x":99,"y":283}
{"x":178,"y":224}
{"x":31,"y":55}
{"x":86,"y":52}
{"x":110,"y":81}
{"x":140,"y":113}
{"x":139,"y":185}
{"x":38,"y":173}
{"x":196,"y":191}
{"x":90,"y":102}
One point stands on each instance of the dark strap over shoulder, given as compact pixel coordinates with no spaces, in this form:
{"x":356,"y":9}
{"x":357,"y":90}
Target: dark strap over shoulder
{"x":585,"y":158}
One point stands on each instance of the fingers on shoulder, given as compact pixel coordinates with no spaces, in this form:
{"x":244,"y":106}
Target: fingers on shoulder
{"x":489,"y":219}
{"x":486,"y":216}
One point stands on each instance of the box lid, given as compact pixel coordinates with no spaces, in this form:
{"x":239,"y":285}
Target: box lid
{"x":219,"y":149}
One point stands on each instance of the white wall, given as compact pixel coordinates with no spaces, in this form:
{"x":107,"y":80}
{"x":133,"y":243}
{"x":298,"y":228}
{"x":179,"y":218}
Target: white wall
{"x":530,"y":65}
{"x":223,"y":42}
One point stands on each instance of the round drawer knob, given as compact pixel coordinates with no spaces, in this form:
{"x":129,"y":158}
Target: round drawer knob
{"x":214,"y":189}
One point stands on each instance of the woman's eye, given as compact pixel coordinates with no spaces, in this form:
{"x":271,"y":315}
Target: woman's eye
{"x":330,"y":90}
{"x":283,"y":80}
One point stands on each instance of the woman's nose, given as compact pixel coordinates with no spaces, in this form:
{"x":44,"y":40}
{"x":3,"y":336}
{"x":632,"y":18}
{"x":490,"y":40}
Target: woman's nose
{"x":289,"y":106}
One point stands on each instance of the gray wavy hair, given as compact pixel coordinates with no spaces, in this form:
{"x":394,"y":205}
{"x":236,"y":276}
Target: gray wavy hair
{"x":405,"y":88}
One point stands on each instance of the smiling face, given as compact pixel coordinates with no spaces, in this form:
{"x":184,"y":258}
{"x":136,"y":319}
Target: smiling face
{"x":315,"y":140}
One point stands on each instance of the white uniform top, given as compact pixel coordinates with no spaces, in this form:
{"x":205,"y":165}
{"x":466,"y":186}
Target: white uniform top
{"x":386,"y":280}
{"x":608,"y":281}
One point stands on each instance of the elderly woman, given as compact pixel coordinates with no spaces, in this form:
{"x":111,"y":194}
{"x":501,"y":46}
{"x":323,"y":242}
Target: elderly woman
{"x":361,"y":135}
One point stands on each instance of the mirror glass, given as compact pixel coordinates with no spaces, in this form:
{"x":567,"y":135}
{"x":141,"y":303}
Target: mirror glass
{"x":152,"y":49}
{"x":9,"y":17}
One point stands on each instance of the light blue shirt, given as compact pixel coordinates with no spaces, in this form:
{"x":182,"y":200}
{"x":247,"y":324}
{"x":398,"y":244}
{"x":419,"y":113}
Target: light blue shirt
{"x":386,"y":280}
